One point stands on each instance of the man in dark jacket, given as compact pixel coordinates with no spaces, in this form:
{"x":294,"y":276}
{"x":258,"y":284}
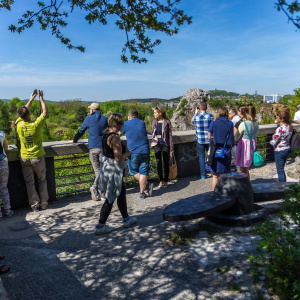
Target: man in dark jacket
{"x":95,"y":123}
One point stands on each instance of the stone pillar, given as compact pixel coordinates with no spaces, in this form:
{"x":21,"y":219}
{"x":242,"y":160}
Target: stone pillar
{"x":237,"y":184}
{"x":270,"y":148}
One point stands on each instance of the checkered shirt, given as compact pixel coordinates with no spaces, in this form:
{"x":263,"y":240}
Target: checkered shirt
{"x":202,"y":121}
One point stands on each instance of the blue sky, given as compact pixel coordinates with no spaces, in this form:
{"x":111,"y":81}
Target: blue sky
{"x":239,"y":46}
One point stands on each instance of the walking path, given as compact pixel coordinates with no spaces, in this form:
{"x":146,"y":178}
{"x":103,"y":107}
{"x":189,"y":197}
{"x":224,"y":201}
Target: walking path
{"x":54,"y":254}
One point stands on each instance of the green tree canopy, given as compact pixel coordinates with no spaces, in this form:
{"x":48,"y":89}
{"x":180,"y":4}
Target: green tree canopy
{"x":135,"y":17}
{"x":292,"y":9}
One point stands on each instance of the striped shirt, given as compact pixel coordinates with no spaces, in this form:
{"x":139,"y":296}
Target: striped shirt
{"x":202,"y":121}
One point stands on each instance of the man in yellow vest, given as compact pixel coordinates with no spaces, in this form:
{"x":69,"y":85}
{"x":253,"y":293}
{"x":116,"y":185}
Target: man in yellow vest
{"x":32,"y":152}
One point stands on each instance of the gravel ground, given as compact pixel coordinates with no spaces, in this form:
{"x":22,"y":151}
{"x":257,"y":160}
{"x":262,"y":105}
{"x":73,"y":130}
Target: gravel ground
{"x":54,"y":254}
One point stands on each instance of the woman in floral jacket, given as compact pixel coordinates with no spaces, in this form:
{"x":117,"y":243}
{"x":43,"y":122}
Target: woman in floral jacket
{"x":281,"y":141}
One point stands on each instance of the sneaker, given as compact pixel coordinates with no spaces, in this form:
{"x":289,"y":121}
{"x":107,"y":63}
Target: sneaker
{"x":149,"y":189}
{"x":94,"y":193}
{"x":160,"y":184}
{"x":143,"y":195}
{"x":35,"y":209}
{"x":9,"y":213}
{"x":103,"y":229}
{"x":165,"y":185}
{"x":129,"y":222}
{"x":102,"y":196}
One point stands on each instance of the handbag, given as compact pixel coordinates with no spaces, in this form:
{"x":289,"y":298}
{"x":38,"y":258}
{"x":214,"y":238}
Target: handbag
{"x":210,"y":153}
{"x":154,"y":140}
{"x":172,"y":167}
{"x":257,"y":158}
{"x":219,"y":153}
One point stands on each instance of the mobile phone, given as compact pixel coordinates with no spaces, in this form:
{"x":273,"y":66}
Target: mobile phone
{"x":35,"y":92}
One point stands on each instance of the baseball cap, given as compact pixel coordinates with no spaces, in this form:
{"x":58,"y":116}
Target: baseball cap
{"x":94,"y":106}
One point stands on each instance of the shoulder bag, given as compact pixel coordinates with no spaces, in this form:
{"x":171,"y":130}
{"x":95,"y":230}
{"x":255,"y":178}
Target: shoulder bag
{"x":154,"y":140}
{"x":257,"y":158}
{"x":220,"y":152}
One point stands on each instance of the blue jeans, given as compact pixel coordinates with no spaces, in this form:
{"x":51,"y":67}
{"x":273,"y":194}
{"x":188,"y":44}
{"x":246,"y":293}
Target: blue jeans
{"x":201,"y":153}
{"x":280,"y":159}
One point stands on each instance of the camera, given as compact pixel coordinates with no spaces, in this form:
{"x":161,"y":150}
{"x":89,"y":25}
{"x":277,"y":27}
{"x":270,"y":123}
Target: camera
{"x":35,"y":92}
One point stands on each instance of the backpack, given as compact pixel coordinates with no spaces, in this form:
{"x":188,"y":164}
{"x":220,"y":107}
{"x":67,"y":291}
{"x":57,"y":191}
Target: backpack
{"x":295,"y":141}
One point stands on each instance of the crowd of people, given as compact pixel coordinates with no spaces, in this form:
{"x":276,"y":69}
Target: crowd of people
{"x":232,"y":135}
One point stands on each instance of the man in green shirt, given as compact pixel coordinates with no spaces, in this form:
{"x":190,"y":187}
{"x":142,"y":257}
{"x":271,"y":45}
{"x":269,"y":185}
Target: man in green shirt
{"x":32,"y":152}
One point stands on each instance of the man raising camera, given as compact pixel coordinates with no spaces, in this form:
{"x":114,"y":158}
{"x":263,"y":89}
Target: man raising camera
{"x":32,"y":152}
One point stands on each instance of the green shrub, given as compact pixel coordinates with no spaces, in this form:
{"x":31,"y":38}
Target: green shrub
{"x":280,"y":247}
{"x":183,"y":102}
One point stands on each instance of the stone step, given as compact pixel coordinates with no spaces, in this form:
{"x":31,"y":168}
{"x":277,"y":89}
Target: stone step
{"x":197,"y":206}
{"x":270,"y":191}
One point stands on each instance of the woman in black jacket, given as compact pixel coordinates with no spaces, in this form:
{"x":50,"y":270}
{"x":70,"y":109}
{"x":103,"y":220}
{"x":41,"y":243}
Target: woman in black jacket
{"x":162,"y":142}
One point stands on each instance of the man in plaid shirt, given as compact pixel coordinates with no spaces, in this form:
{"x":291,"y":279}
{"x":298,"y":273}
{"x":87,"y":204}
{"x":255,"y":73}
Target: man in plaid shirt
{"x":202,"y":120}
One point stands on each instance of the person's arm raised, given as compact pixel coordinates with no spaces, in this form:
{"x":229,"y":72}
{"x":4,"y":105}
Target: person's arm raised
{"x":43,"y":104}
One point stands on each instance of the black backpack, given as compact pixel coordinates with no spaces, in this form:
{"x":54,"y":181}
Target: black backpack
{"x":295,"y":141}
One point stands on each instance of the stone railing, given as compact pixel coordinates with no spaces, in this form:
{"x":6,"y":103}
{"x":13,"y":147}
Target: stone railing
{"x":185,"y":152}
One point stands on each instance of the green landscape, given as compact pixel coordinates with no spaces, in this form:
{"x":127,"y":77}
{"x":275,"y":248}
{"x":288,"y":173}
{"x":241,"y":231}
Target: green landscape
{"x":65,"y":117}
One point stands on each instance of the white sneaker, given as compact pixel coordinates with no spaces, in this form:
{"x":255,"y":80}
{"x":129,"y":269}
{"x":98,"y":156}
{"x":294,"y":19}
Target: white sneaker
{"x":94,"y":193}
{"x":102,"y":230}
{"x":130,"y":222}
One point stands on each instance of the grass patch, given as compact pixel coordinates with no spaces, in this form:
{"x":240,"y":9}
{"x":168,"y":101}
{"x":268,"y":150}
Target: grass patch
{"x":185,"y":236}
{"x":223,"y":269}
{"x":235,"y":287}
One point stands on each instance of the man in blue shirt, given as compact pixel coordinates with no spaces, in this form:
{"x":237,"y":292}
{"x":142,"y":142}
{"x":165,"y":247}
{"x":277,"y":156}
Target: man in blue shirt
{"x":138,"y":143}
{"x":95,"y":123}
{"x":202,"y":119}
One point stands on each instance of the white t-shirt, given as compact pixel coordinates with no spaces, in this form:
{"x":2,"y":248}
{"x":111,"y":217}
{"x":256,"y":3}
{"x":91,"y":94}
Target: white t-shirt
{"x":235,"y":119}
{"x":297,"y":116}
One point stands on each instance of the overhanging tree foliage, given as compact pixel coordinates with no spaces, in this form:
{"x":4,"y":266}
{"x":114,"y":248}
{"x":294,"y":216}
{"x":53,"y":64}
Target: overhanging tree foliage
{"x":135,"y":17}
{"x":291,"y":9}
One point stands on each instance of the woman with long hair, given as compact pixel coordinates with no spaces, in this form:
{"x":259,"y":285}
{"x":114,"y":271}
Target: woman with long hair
{"x":112,"y":165}
{"x":244,"y":152}
{"x":281,"y":141}
{"x":221,"y":132}
{"x":161,"y":131}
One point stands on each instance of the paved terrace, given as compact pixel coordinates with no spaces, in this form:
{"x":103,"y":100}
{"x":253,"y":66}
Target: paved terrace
{"x":54,"y":254}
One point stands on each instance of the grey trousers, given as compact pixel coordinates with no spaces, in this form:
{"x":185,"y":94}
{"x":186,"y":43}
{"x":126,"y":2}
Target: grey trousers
{"x":29,"y":168}
{"x":4,"y":172}
{"x":94,"y":158}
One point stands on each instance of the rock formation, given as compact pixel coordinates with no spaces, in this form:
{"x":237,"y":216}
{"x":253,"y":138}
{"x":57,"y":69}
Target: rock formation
{"x":293,"y":170}
{"x":185,"y":110}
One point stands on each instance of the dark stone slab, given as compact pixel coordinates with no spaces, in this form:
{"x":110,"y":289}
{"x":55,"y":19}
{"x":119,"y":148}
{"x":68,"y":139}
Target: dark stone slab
{"x":198,"y":206}
{"x":17,"y":187}
{"x":237,"y":184}
{"x":258,"y":215}
{"x":270,"y":191}
{"x":187,"y":159}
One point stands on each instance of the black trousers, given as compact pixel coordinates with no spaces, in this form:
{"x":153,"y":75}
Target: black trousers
{"x":162,"y":152}
{"x":107,"y":207}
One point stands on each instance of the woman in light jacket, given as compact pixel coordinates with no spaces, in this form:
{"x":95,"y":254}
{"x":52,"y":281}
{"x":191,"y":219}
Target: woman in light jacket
{"x":244,"y":152}
{"x":161,"y":131}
